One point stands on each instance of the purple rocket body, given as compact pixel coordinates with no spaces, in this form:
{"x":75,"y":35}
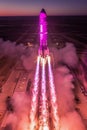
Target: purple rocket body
{"x":43,"y":32}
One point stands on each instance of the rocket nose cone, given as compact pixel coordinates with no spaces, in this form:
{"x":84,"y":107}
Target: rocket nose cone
{"x":43,"y":11}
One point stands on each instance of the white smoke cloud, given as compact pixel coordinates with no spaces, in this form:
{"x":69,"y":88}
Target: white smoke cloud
{"x":63,"y":82}
{"x":19,"y":119}
{"x":22,"y":109}
{"x":66,"y":55}
{"x":10,"y":49}
{"x":24,"y":53}
{"x":71,"y":121}
{"x":29,"y":60}
{"x":69,"y":118}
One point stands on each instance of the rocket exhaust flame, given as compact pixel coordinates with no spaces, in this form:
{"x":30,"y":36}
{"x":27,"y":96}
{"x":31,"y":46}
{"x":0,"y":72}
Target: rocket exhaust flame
{"x":43,"y":59}
{"x":43,"y":109}
{"x":43,"y":118}
{"x":44,"y":113}
{"x":34,"y":101}
{"x":54,"y":108}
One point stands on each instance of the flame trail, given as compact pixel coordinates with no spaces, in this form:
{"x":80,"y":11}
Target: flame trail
{"x":54,"y":108}
{"x":34,"y":100}
{"x":43,"y":108}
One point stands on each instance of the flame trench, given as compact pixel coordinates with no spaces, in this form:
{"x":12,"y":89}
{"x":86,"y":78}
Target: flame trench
{"x":34,"y":100}
{"x":53,"y":100}
{"x":43,"y":108}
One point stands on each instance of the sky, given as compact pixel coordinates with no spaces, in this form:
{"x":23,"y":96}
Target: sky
{"x":33,"y":7}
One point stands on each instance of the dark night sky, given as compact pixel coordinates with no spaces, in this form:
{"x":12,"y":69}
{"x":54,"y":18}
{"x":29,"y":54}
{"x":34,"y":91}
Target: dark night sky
{"x":52,"y":7}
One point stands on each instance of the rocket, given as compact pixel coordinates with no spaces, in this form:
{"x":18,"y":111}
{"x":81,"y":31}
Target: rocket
{"x":43,"y":49}
{"x":43,"y":28}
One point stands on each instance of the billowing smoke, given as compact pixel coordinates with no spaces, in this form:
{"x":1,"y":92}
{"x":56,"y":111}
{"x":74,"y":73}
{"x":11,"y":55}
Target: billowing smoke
{"x":69,"y":117}
{"x":10,"y":49}
{"x":63,"y":58}
{"x":18,"y":106}
{"x":66,"y":55}
{"x":64,"y":86}
{"x":71,"y":121}
{"x":19,"y":118}
{"x":20,"y":52}
{"x":22,"y":109}
{"x":29,"y":60}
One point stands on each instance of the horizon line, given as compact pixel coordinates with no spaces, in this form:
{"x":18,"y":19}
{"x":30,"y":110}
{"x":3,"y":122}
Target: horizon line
{"x":38,"y":15}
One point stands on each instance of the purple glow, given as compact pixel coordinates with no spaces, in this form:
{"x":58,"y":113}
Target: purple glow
{"x":43,"y":30}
